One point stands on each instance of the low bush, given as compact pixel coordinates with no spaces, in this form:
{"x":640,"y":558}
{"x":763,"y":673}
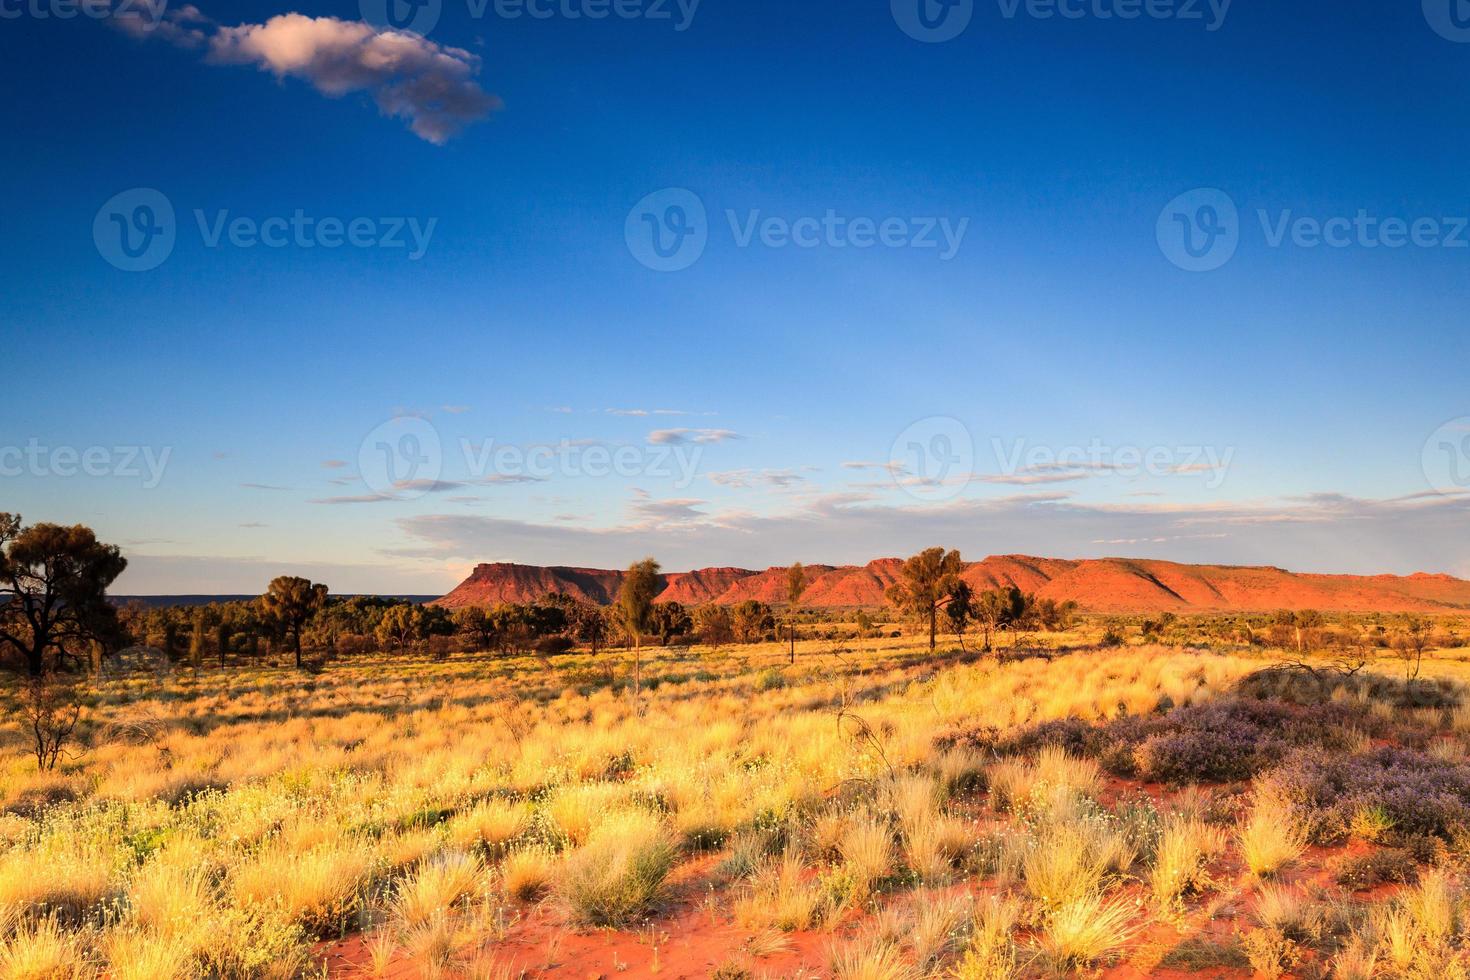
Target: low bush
{"x":1417,"y":793}
{"x":1390,"y":865}
{"x":1223,"y":740}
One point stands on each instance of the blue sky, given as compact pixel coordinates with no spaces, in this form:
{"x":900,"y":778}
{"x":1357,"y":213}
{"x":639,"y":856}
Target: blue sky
{"x":1301,"y":404}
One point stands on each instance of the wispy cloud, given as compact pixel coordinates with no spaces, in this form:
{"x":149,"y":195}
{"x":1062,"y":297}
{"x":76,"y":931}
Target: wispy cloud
{"x":263,"y":486}
{"x":362,"y":498}
{"x":1322,"y":532}
{"x":745,"y":479}
{"x":673,"y":437}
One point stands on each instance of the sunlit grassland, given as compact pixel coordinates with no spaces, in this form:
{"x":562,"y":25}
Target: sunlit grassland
{"x":219,"y":823}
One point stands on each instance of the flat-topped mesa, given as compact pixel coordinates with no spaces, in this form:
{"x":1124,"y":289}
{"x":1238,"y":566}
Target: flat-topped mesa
{"x":1112,"y":585}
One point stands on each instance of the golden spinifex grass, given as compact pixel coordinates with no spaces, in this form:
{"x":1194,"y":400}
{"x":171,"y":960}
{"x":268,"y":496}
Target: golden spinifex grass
{"x":234,"y":818}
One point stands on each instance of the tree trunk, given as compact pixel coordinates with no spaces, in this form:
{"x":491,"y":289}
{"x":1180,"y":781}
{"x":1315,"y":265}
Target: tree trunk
{"x":791,"y":628}
{"x":296,"y":642}
{"x":637,"y":669}
{"x":933,"y":625}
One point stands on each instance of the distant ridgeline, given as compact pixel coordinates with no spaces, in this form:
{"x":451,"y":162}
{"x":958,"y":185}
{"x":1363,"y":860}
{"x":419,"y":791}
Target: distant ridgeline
{"x":162,"y":601}
{"x":1113,"y":585}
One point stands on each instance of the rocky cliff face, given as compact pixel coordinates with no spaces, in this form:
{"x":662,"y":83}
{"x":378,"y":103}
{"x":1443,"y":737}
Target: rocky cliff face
{"x":1101,"y":585}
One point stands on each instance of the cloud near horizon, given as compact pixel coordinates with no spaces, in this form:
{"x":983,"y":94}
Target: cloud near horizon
{"x":1318,"y":533}
{"x":431,"y":86}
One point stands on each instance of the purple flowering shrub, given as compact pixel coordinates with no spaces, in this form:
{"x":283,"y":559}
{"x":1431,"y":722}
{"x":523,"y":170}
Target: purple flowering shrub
{"x":1421,"y":794}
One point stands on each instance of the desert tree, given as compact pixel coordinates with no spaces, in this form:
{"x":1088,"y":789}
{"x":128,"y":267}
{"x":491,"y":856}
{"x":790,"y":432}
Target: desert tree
{"x":924,"y":584}
{"x":641,"y":585}
{"x":1411,"y":644}
{"x":999,"y":609}
{"x":714,"y":624}
{"x":289,"y":602}
{"x":796,"y":584}
{"x":402,"y":624}
{"x":588,"y":624}
{"x":53,"y":593}
{"x":670,"y":619}
{"x":958,"y":609}
{"x":51,"y":708}
{"x":474,"y":622}
{"x":751,"y":620}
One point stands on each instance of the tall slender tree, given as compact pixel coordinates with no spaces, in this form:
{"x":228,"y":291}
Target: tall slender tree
{"x":640,"y":586}
{"x":924,"y":584}
{"x":795,"y":585}
{"x":959,"y":609}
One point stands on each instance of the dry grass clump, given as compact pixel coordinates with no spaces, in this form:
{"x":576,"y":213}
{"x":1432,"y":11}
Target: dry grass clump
{"x":782,"y":895}
{"x":44,"y":950}
{"x":437,"y":887}
{"x":526,"y":873}
{"x":140,"y":954}
{"x":1184,"y":849}
{"x":991,"y":953}
{"x":1283,"y":909}
{"x":320,"y":889}
{"x":1271,"y":838}
{"x":1085,"y":930}
{"x":867,"y":855}
{"x":1053,"y":775}
{"x":1071,"y":855}
{"x":620,"y":871}
{"x":68,"y":879}
{"x":872,"y":959}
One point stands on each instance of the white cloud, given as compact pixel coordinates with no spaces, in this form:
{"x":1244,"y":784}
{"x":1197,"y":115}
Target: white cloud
{"x":430,"y":85}
{"x":674,"y":437}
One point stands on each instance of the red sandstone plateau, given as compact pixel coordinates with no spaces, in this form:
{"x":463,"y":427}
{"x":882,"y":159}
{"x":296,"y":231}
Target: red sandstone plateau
{"x":1112,"y":585}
